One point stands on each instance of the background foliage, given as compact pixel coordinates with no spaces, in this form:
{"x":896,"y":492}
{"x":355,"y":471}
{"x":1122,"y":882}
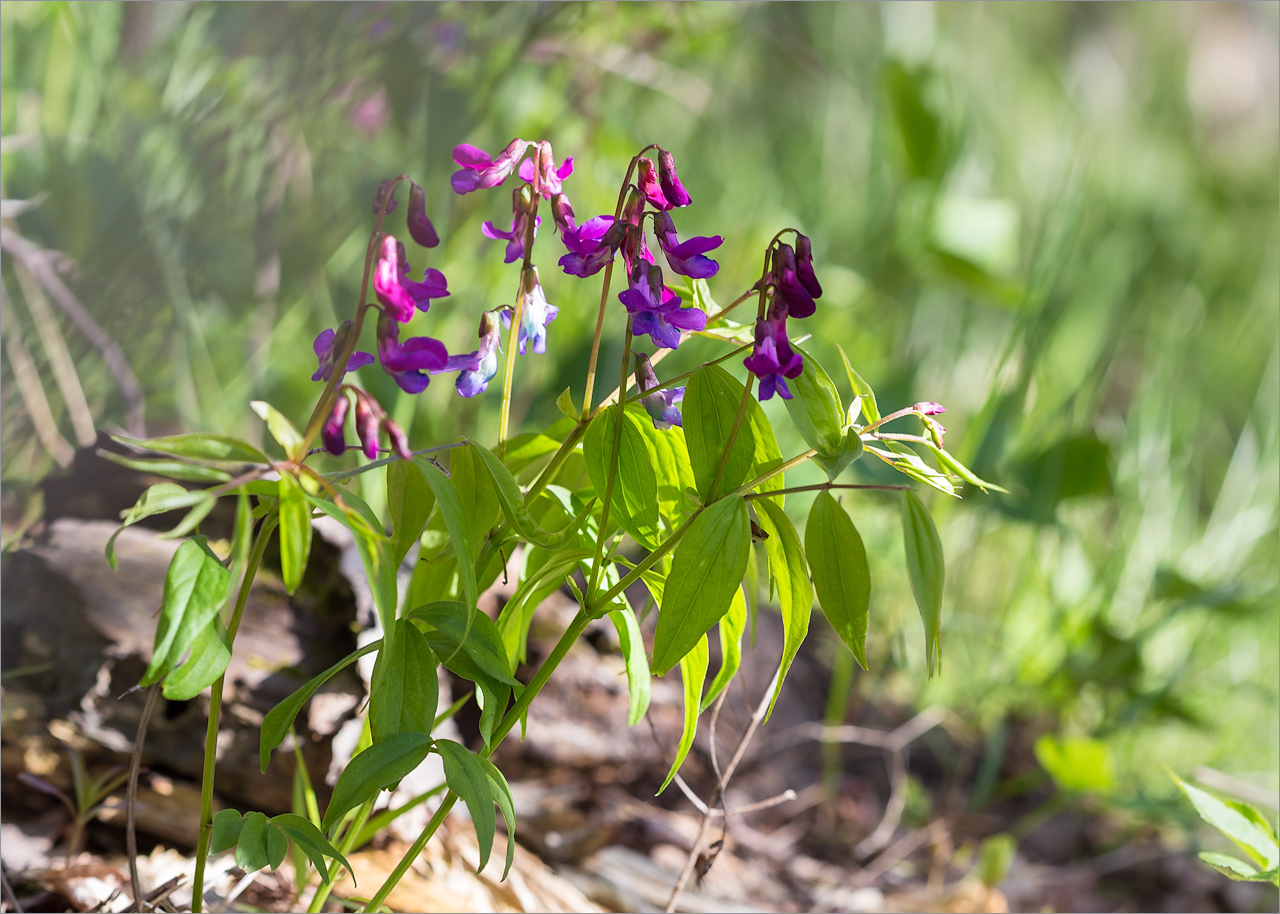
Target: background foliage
{"x":1060,"y":220}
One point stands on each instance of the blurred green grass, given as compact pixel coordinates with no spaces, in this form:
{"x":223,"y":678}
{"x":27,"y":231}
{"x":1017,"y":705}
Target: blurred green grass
{"x":1059,"y":220}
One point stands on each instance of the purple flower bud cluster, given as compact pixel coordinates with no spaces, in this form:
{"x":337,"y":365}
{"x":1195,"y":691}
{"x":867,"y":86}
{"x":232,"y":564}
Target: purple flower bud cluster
{"x":794,"y":287}
{"x":370,"y":420}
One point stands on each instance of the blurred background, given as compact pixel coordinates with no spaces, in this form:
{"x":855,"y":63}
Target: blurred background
{"x":1059,"y":220}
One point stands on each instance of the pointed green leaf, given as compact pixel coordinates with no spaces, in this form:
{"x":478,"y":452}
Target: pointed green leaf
{"x":815,"y":407}
{"x":468,"y":779}
{"x":173,"y":469}
{"x":280,"y":428}
{"x":927,"y":573}
{"x":259,"y":844}
{"x":634,"y":502}
{"x":706,"y":570}
{"x":862,"y":390}
{"x":632,"y":641}
{"x":564,"y":403}
{"x":404,"y":691}
{"x":512,"y":502}
{"x":210,"y":654}
{"x":199,"y":447}
{"x":1251,"y":837}
{"x":502,"y":796}
{"x":458,"y":524}
{"x":841,"y":574}
{"x":194,"y":587}
{"x":409,"y":503}
{"x":475,"y":490}
{"x":381,"y":765}
{"x":788,"y":569}
{"x":710,"y":408}
{"x":483,"y":642}
{"x":951,"y":465}
{"x":312,"y":842}
{"x":276,"y":723}
{"x":159,"y":498}
{"x":295,"y":532}
{"x":731,"y":626}
{"x":693,"y":673}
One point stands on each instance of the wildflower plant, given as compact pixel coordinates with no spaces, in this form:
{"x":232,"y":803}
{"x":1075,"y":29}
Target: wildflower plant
{"x":683,"y":476}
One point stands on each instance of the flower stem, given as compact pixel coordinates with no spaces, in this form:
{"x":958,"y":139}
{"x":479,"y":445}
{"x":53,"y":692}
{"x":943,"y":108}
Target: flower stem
{"x":649,"y":561}
{"x":619,"y":418}
{"x":215,"y":715}
{"x":595,"y":342}
{"x":526,"y":276}
{"x":733,"y":434}
{"x":825,"y":487}
{"x":769,"y":474}
{"x":344,"y":847}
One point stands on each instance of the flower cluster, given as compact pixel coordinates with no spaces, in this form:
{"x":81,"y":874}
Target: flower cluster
{"x":794,"y":287}
{"x":370,"y":420}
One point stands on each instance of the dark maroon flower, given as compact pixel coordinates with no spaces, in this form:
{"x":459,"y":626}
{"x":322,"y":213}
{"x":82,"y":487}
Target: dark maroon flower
{"x":328,"y":346}
{"x":399,"y":440}
{"x":479,"y":170}
{"x":772,"y":360}
{"x":332,"y":433}
{"x":410,"y":363}
{"x":794,"y":297}
{"x":420,"y":228}
{"x":399,"y":295}
{"x":686,"y":258}
{"x":804,"y":266}
{"x":383,"y":188}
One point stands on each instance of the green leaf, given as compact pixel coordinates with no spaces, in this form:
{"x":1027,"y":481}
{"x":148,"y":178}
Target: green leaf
{"x":409,"y":502}
{"x":907,"y":462}
{"x":381,"y":765}
{"x":468,"y":779}
{"x":815,"y":407}
{"x":524,"y":450}
{"x":789,"y":570}
{"x":372,"y":546}
{"x":159,"y":498}
{"x":502,"y":796}
{"x":280,"y":428}
{"x":295,"y":532}
{"x":512,"y":502}
{"x":276,"y":723}
{"x":693,"y":673}
{"x":710,"y":408}
{"x":841,"y":574}
{"x":927,"y":573}
{"x":1238,"y":870}
{"x":475,"y":490}
{"x":210,"y":654}
{"x":951,"y":465}
{"x":765,"y":453}
{"x":226,"y":830}
{"x":564,"y":403}
{"x":632,"y":641}
{"x":194,"y":587}
{"x":199,"y":447}
{"x":634,"y":502}
{"x":174,"y":469}
{"x":259,"y":844}
{"x":731,"y":626}
{"x":306,"y":836}
{"x":483,"y":640}
{"x":706,"y":570}
{"x":862,"y":390}
{"x":1076,"y":764}
{"x":1258,"y":842}
{"x":458,"y":524}
{"x":539,"y":582}
{"x":404,"y":691}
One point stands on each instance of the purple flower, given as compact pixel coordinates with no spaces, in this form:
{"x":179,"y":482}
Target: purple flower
{"x":686,"y":258}
{"x":478,"y":368}
{"x":672,"y":189}
{"x":420,"y":228}
{"x":655,"y":310}
{"x":588,"y":248}
{"x":383,"y":188}
{"x":367,"y":426}
{"x":794,"y":295}
{"x":535,"y":313}
{"x":543,"y":165}
{"x":804,"y":266}
{"x":399,"y":295}
{"x":410,"y":363}
{"x":328,"y":346}
{"x":521,"y":206}
{"x":399,"y":440}
{"x":773,"y":359}
{"x":332,"y":432}
{"x":929,"y":408}
{"x":661,"y":404}
{"x":479,"y":170}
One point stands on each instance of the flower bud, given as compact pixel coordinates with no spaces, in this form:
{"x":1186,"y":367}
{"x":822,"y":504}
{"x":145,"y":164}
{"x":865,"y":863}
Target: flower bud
{"x":804,"y":266}
{"x":366,"y":426}
{"x":332,"y":434}
{"x":633,"y":209}
{"x":384,"y":188}
{"x":929,"y":408}
{"x":399,"y":440}
{"x":420,"y":228}
{"x":672,"y":189}
{"x":562,"y":212}
{"x":647,"y":180}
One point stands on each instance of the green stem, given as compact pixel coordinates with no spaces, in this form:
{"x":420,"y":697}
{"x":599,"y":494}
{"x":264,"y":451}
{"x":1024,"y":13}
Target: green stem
{"x":344,"y":847}
{"x":649,"y":561}
{"x":733,"y":434}
{"x":825,"y":487}
{"x":672,"y":382}
{"x":619,"y":418}
{"x":769,"y":474}
{"x":215,"y":715}
{"x":559,"y":457}
{"x":527,"y":274}
{"x":595,"y":343}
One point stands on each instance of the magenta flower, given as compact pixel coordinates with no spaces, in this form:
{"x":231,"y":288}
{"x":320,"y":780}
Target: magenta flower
{"x":399,"y":440}
{"x":929,"y":408}
{"x":535,"y":314}
{"x":773,"y":360}
{"x":399,"y":295}
{"x":478,"y":368}
{"x":367,"y":422}
{"x":661,"y":404}
{"x":686,"y":258}
{"x":543,"y":165}
{"x":332,"y":433}
{"x":672,"y":189}
{"x":655,"y":310}
{"x":479,"y":170}
{"x":410,"y":364}
{"x":420,"y":228}
{"x":589,"y":248}
{"x":521,"y":206}
{"x":328,"y":346}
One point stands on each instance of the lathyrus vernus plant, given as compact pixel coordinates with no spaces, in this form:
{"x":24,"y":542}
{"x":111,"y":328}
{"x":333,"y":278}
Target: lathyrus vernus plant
{"x":683,"y":472}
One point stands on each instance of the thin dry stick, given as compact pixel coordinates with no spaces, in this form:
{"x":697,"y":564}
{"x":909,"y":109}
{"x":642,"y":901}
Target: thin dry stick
{"x":31,"y":391}
{"x":8,"y":891}
{"x":40,"y":263}
{"x":732,"y":767}
{"x":131,"y":797}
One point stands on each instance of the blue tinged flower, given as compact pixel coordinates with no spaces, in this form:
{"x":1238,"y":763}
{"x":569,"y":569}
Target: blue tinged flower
{"x":655,"y":310}
{"x":588,"y":249}
{"x":478,"y":368}
{"x":661,"y":404}
{"x":410,"y":363}
{"x":521,"y":206}
{"x":328,"y":346}
{"x":535,"y":313}
{"x":686,"y":258}
{"x":480,"y":170}
{"x":773,"y":360}
{"x":420,"y":228}
{"x":399,"y":295}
